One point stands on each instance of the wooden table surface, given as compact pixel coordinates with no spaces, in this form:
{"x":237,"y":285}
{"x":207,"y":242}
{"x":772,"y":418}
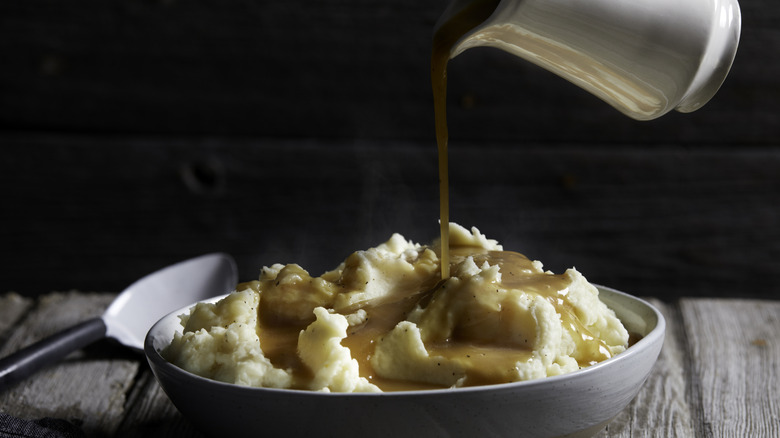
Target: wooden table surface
{"x":718,"y":373}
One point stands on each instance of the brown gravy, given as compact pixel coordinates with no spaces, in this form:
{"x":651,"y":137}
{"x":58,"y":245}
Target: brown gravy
{"x":490,"y":364}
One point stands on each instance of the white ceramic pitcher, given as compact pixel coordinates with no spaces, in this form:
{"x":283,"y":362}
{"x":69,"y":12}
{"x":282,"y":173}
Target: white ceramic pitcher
{"x":644,"y":57}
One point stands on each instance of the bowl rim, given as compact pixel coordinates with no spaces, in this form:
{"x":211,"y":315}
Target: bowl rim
{"x":658,"y":331}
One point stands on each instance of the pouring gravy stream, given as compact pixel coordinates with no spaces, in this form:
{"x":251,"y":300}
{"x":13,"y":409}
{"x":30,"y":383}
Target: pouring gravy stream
{"x":443,"y":41}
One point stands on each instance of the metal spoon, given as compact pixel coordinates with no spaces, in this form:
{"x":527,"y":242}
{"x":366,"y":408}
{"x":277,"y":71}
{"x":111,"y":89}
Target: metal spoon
{"x":131,"y":314}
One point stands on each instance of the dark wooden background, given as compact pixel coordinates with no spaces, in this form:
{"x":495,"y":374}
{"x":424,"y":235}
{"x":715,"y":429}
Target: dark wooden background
{"x":136,"y":133}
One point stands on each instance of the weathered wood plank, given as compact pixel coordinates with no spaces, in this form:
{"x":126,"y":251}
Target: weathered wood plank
{"x":734,"y":346}
{"x":96,"y":213}
{"x":87,"y":388}
{"x":55,"y":312}
{"x":12,"y":307}
{"x":716,"y":375}
{"x":151,"y":414}
{"x":662,"y":406}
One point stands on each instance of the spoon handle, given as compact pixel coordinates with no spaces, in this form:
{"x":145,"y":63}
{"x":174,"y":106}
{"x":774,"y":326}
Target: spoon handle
{"x":25,"y":362}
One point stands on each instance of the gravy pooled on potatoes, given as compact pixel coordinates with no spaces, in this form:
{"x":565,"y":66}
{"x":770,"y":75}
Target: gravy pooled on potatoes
{"x":384,"y":320}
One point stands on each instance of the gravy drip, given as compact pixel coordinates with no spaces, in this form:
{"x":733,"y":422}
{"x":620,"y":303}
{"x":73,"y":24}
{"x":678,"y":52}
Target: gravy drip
{"x":444,"y":39}
{"x":496,"y":361}
{"x":516,"y":273}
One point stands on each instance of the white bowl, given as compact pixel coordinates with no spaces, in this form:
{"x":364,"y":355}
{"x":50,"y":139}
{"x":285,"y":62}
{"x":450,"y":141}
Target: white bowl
{"x":580,"y":403}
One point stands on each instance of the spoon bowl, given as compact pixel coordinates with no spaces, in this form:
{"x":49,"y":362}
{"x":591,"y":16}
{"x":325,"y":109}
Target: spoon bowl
{"x":138,"y":307}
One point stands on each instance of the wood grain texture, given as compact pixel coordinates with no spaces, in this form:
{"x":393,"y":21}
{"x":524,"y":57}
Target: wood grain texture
{"x":716,"y":376}
{"x":12,"y":308}
{"x":736,"y":365}
{"x":97,"y":213}
{"x":151,"y":414}
{"x":88,"y":387}
{"x":662,"y":407}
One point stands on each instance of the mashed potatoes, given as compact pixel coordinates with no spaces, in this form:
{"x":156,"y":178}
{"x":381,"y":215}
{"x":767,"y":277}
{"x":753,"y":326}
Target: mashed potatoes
{"x":384,"y":320}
